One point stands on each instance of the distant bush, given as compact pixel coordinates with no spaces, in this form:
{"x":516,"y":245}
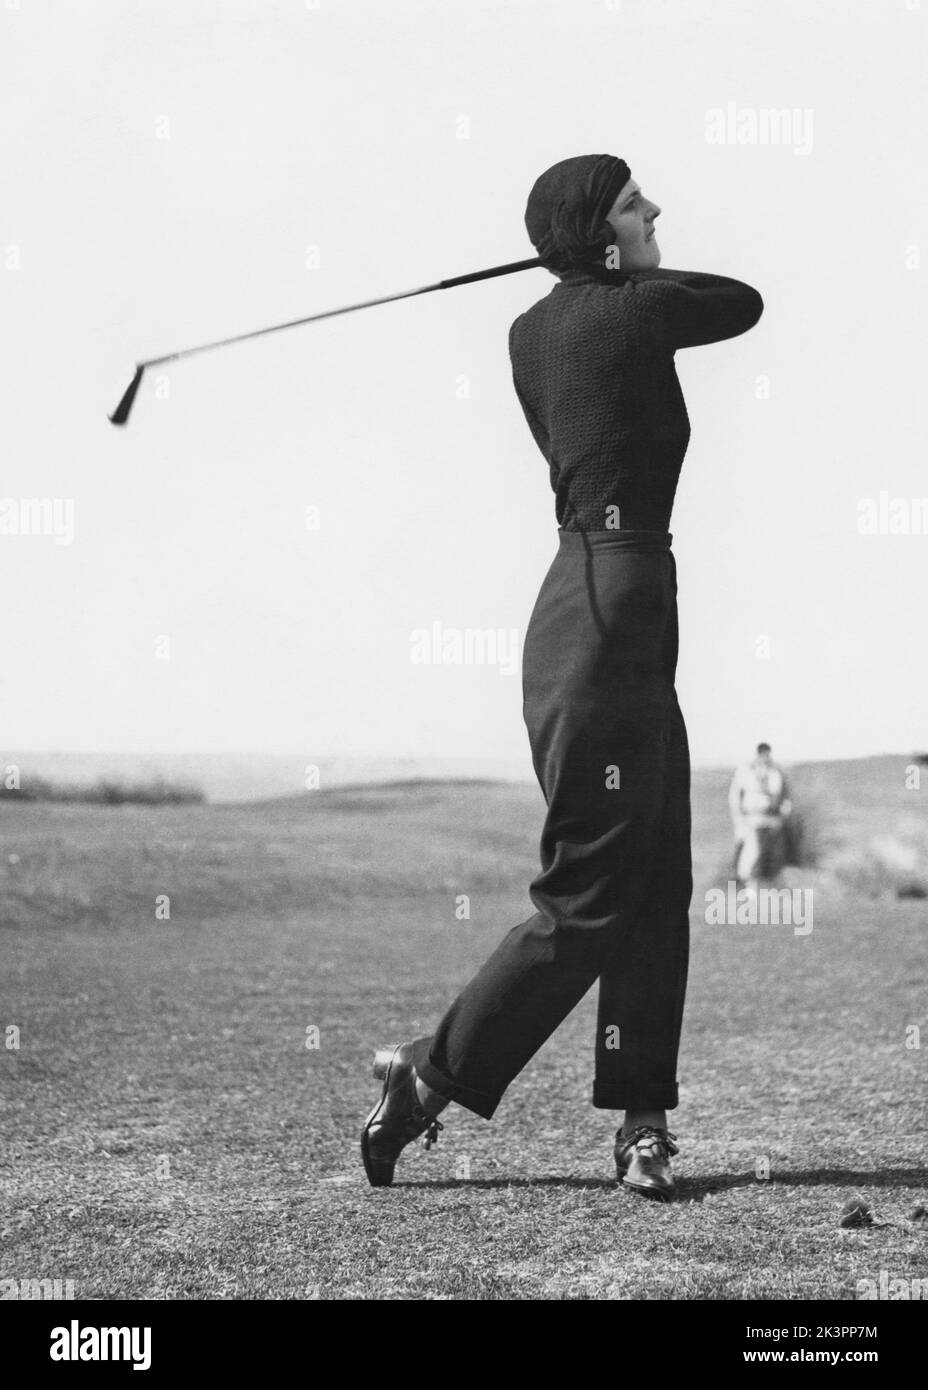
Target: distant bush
{"x":891,"y":863}
{"x":106,"y":792}
{"x":804,"y":838}
{"x":895,"y":862}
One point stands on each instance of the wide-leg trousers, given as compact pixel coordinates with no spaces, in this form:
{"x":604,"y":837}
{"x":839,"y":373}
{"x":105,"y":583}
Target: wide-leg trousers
{"x":612,"y":898}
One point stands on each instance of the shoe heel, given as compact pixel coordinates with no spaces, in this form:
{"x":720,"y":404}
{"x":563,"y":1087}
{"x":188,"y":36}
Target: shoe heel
{"x":382,"y":1059}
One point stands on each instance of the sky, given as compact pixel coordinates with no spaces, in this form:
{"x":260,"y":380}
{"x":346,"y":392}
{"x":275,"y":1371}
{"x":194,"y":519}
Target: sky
{"x":261,"y":558}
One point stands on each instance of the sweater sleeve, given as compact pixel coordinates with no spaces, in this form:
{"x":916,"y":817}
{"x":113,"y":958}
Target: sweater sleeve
{"x":694,"y":308}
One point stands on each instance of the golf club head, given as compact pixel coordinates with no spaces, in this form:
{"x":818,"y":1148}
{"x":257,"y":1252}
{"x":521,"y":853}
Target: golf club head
{"x":121,"y":414}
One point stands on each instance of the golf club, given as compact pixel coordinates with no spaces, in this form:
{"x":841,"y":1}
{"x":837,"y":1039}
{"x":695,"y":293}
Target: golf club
{"x":121,"y":414}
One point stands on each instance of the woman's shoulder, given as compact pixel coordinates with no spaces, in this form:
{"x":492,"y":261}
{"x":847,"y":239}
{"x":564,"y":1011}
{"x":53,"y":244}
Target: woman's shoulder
{"x":584,"y":308}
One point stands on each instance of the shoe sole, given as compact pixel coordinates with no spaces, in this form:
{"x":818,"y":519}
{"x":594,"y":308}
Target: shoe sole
{"x":382,"y":1070}
{"x":656,"y":1194}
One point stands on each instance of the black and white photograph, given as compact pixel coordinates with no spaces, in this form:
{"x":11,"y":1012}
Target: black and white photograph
{"x":463,"y":717}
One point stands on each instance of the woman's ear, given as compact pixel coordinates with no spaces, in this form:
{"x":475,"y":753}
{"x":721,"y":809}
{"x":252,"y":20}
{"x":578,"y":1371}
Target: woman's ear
{"x":610,"y":251}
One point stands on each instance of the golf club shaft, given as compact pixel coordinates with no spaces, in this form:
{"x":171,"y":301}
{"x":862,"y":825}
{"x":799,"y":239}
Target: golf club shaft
{"x":121,"y":413}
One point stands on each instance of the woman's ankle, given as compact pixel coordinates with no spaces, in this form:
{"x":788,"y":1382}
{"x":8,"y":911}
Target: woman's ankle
{"x":652,"y":1119}
{"x":432,"y":1103}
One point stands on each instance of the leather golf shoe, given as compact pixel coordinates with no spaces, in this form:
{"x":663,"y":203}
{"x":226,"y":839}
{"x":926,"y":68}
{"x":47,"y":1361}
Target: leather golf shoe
{"x":397,"y":1119}
{"x":642,"y":1161}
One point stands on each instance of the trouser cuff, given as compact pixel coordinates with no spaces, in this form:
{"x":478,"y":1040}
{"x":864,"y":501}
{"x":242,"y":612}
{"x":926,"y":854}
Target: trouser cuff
{"x":477,"y":1101}
{"x":638,"y":1096}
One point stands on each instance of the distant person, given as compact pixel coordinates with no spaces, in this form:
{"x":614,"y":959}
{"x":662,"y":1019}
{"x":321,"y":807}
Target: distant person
{"x":760,"y":805}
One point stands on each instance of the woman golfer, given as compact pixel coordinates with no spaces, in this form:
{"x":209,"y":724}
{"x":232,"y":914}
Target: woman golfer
{"x":593,"y":366}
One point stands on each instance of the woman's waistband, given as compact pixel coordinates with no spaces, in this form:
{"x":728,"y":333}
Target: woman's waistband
{"x":615,"y":540}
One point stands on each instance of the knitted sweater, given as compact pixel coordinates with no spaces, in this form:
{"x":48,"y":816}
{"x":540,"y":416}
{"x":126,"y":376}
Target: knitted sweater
{"x":593,"y":367}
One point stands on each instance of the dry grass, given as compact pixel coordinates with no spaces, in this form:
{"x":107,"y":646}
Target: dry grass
{"x":167,"y":1133}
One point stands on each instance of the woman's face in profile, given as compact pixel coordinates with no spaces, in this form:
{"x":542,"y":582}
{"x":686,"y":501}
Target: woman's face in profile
{"x":632,"y":218}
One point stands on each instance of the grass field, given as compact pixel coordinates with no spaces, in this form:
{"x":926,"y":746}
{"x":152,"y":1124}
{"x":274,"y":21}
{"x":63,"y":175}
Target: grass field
{"x":167,"y":1133}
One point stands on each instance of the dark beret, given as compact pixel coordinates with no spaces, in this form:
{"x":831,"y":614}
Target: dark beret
{"x":566,"y":212}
